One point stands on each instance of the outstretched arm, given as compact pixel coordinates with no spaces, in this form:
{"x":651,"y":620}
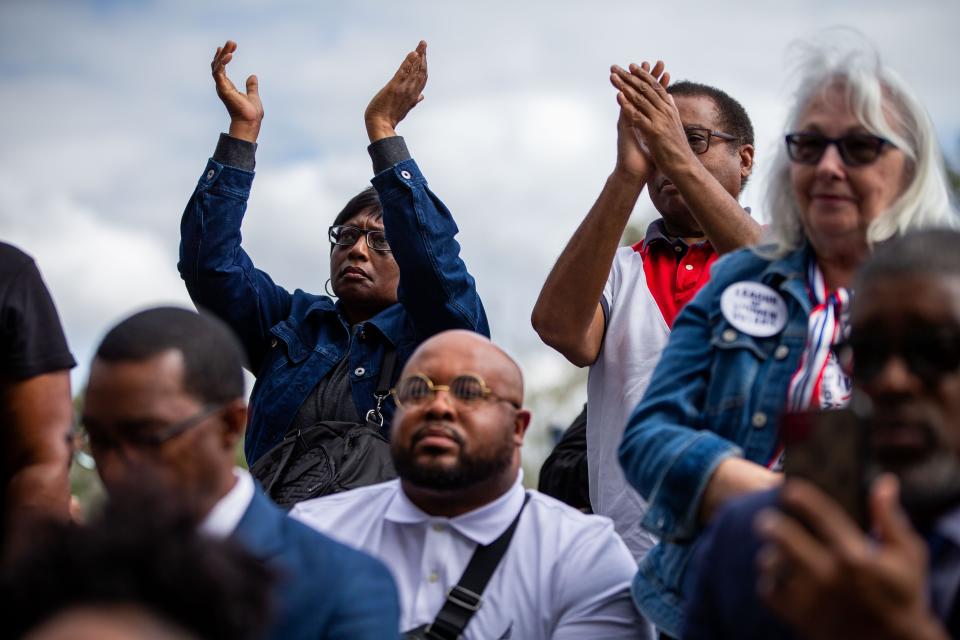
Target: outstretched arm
{"x":720,"y":216}
{"x":435,"y":287}
{"x":219,"y":274}
{"x":568,"y":315}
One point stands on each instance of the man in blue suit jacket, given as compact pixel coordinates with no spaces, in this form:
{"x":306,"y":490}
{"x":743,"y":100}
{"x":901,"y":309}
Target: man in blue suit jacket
{"x":791,"y":561}
{"x":164,"y":403}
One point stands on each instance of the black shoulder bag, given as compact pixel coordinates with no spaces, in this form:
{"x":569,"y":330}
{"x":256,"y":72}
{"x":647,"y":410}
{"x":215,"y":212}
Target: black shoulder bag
{"x":330,"y":457}
{"x":465,"y":598}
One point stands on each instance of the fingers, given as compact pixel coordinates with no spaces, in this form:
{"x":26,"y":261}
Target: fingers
{"x":824,"y":516}
{"x":634,"y":89}
{"x":889,"y":519}
{"x":793,"y":542}
{"x":253,"y":86}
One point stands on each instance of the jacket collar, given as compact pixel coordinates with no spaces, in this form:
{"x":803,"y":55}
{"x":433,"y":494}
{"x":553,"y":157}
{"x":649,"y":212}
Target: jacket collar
{"x":388,"y":322}
{"x":788,"y":274}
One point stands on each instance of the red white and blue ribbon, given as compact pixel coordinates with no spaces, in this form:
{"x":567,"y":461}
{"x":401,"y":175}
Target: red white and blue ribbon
{"x":820,"y":382}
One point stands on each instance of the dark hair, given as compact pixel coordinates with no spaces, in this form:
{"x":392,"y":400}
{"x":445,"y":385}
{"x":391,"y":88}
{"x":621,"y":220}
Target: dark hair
{"x":926,"y":252}
{"x":366,"y":199}
{"x":212,"y":356}
{"x":733,"y":117}
{"x":145,"y":554}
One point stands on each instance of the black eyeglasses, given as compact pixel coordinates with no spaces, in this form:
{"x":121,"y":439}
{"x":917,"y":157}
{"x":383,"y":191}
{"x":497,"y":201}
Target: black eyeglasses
{"x":145,"y":439}
{"x":856,"y":149}
{"x":347,"y":235}
{"x":466,"y":390}
{"x":699,"y":138}
{"x":929,"y":355}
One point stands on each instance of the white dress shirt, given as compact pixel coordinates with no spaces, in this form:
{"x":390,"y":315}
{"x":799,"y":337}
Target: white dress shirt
{"x":565,"y":574}
{"x":227,"y":513}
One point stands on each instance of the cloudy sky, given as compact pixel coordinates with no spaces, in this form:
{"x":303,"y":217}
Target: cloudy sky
{"x":109,"y":115}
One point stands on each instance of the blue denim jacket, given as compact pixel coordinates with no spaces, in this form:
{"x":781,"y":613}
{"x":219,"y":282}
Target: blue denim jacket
{"x":294,"y":339}
{"x":716,"y":392}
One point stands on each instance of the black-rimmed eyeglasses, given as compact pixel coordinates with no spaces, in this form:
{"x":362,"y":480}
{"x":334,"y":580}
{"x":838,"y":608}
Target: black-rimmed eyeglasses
{"x":699,"y":138}
{"x":145,"y":439}
{"x":346,"y":236}
{"x":856,"y":149}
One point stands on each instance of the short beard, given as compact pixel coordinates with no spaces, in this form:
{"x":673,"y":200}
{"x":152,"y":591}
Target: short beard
{"x":930,"y":489}
{"x":468,"y":471}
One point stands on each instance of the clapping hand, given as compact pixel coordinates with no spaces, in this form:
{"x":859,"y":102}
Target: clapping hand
{"x":245,"y":109}
{"x":401,"y":94}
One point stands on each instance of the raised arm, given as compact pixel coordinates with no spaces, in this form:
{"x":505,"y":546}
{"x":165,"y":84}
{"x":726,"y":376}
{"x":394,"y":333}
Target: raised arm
{"x":219,"y":274}
{"x":435,"y":288}
{"x":726,"y":224}
{"x":568,"y":315}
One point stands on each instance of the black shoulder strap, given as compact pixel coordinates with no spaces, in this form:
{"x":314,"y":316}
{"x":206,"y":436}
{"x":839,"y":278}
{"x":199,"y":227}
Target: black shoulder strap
{"x":374,"y":417}
{"x":465,"y":598}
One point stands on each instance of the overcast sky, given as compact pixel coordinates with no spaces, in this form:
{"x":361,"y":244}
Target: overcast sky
{"x":109,"y":115}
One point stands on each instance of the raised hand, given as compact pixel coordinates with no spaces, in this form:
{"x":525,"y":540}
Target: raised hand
{"x":245,"y":109}
{"x":633,"y":158}
{"x":399,"y":96}
{"x":643,"y":95}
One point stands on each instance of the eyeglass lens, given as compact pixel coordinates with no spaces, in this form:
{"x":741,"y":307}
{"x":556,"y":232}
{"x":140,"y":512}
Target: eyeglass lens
{"x":347,"y":236}
{"x":930,"y":356}
{"x":854,"y":149}
{"x":418,"y":389}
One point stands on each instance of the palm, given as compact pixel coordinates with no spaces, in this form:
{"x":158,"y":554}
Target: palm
{"x":631,"y":156}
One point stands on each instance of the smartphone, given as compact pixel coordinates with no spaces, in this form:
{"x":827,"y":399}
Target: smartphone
{"x":829,"y":449}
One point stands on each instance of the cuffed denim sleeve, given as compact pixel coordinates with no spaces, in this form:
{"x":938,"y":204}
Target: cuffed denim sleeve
{"x":219,"y":274}
{"x":236,"y":153}
{"x":435,"y":287}
{"x":667,"y":453}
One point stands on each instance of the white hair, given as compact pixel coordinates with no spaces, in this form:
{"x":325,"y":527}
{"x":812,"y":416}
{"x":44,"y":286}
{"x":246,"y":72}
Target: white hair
{"x":886,"y":107}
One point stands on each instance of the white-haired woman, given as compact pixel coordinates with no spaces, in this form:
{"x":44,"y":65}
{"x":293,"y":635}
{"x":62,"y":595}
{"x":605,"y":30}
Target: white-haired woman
{"x":859,"y":165}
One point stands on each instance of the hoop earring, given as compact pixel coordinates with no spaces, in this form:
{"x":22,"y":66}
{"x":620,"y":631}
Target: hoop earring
{"x":327,"y":289}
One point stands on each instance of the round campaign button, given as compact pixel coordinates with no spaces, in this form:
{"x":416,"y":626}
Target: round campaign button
{"x":754,"y":308}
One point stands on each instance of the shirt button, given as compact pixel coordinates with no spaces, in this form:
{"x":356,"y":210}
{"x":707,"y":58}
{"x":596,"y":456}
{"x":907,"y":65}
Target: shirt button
{"x":273,"y":342}
{"x":759,"y":420}
{"x":359,"y":371}
{"x":433,"y":577}
{"x":678,"y":248}
{"x":782,"y":352}
{"x":405,"y":174}
{"x":210,"y":174}
{"x":729,"y":335}
{"x":688,"y":267}
{"x":438,"y":527}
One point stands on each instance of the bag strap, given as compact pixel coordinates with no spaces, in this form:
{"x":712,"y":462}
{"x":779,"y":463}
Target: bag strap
{"x":464,"y":598}
{"x":387,"y":366}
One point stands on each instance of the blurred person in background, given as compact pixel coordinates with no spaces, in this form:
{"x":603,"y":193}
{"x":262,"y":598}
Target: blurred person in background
{"x":135,"y":573}
{"x":36,"y":408}
{"x":165,"y":403}
{"x":860,"y":165}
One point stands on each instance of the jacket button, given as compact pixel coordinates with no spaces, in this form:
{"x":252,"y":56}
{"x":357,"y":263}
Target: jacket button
{"x":782,"y":352}
{"x":759,"y":420}
{"x":405,"y":174}
{"x":359,"y":371}
{"x":273,"y":342}
{"x":210,"y":174}
{"x":729,"y":335}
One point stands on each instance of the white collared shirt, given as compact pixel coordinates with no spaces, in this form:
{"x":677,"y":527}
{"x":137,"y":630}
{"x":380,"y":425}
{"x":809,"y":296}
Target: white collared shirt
{"x":227,"y":513}
{"x":565,"y":574}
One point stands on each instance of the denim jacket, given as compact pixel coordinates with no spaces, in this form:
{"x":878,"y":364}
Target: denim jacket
{"x":293,"y":340}
{"x":716,"y":392}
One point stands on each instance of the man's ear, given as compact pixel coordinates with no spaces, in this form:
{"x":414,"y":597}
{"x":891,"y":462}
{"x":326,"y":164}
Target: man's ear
{"x":746,"y":161}
{"x":520,"y":424}
{"x":235,"y":422}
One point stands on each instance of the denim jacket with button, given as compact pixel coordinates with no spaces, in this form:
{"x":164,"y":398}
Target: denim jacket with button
{"x":293,"y":340}
{"x":716,"y":392}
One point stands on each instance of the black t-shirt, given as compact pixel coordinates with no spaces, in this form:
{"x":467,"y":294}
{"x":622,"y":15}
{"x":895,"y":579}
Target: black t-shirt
{"x":31,"y":338}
